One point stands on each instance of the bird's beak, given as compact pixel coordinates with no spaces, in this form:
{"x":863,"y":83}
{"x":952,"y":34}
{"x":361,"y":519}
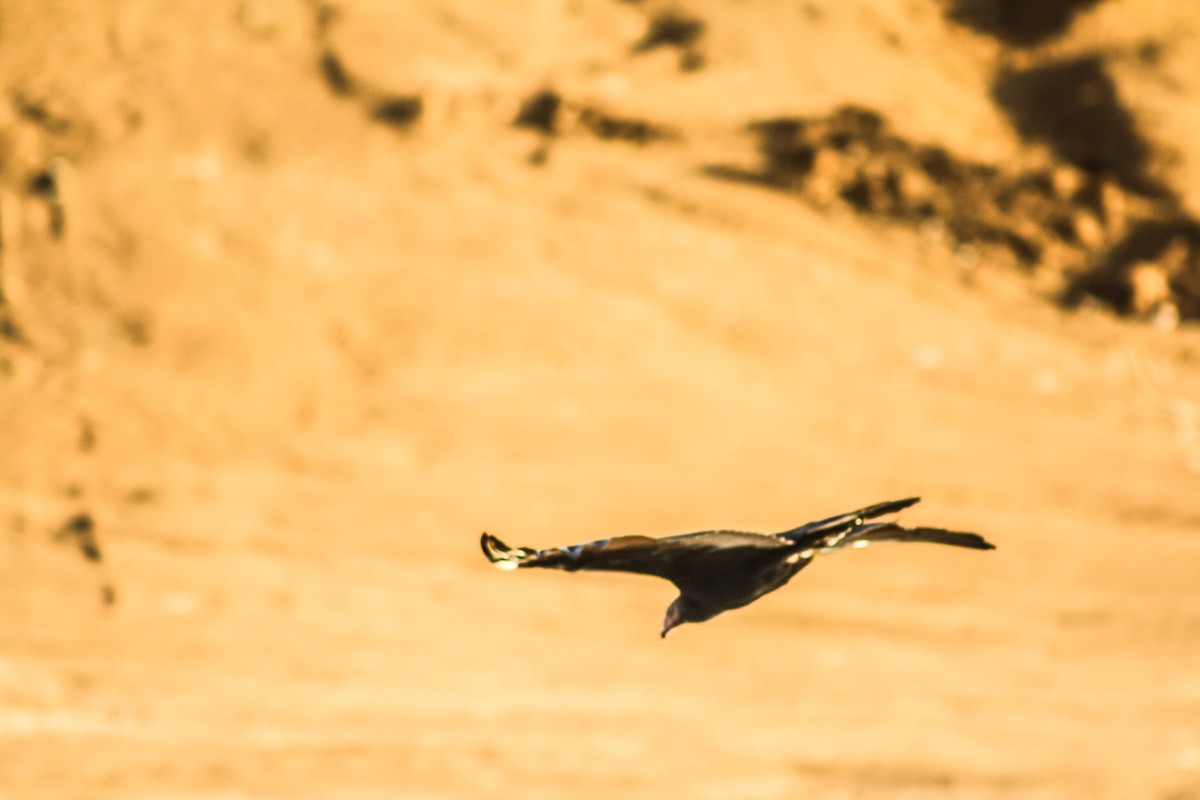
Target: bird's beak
{"x":672,"y":621}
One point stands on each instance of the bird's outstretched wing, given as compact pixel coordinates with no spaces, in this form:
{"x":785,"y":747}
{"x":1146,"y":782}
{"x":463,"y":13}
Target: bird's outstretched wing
{"x":831,"y":529}
{"x":683,"y":560}
{"x":639,"y":554}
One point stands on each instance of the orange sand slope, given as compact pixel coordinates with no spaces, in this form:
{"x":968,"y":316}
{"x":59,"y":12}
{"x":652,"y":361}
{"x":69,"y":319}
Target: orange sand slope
{"x":296,"y":299}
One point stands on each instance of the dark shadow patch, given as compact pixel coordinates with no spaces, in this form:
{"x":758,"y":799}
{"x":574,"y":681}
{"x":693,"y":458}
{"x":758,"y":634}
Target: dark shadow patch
{"x":671,"y":28}
{"x":1072,"y":106}
{"x":1138,"y":255}
{"x":42,"y":184}
{"x":692,"y":60}
{"x":256,"y":148}
{"x":540,"y":112}
{"x":1020,"y":23}
{"x":539,"y":155}
{"x":399,"y":112}
{"x":42,"y":112}
{"x":626,"y":129}
{"x":552,"y":115}
{"x":851,"y":158}
{"x":394,"y":110}
{"x":45,"y":185}
{"x":1150,"y":53}
{"x":675,"y":28}
{"x":728,"y":172}
{"x":141,"y":495}
{"x":80,"y":532}
{"x":324,"y":18}
{"x":9,"y":329}
{"x":337,"y":78}
{"x":1157,"y":261}
{"x":813,"y":13}
{"x":677,"y":203}
{"x":136,"y":328}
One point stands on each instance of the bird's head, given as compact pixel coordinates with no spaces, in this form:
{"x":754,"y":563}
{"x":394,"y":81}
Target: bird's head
{"x":684,"y":609}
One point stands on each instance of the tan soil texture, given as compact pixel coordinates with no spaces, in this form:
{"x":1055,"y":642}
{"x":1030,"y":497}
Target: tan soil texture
{"x":299,"y":298}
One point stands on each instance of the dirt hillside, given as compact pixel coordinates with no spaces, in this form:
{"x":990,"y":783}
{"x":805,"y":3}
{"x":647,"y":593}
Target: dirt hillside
{"x":297,"y":298}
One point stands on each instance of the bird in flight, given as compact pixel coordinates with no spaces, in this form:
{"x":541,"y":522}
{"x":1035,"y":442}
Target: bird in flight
{"x":716,"y":571}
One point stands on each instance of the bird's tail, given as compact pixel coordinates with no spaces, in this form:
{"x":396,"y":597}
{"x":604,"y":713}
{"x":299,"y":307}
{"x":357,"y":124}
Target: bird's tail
{"x":891,"y":532}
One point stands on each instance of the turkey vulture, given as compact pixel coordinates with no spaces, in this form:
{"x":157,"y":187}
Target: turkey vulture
{"x":716,"y":571}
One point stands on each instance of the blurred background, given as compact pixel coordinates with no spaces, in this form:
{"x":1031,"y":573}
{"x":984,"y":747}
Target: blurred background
{"x":296,"y":298}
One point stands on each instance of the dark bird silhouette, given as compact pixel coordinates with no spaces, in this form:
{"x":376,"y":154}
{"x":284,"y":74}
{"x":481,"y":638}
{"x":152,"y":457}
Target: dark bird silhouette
{"x":716,"y":571}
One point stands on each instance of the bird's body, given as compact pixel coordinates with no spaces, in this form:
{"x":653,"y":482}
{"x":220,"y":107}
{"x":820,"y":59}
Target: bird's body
{"x":717,"y":571}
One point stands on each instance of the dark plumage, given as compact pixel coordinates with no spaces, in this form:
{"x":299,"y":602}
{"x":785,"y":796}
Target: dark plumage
{"x":716,"y":571}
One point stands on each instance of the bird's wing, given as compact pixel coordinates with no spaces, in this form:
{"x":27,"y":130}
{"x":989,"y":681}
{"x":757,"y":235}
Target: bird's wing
{"x":830,"y":529}
{"x":639,"y":554}
{"x":891,"y":532}
{"x":683,"y":560}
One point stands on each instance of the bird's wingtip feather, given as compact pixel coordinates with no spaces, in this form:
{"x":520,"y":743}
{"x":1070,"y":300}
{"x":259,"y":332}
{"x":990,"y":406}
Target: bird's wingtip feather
{"x":492,"y":547}
{"x":500,"y":554}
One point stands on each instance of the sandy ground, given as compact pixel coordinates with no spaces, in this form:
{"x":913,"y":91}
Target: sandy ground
{"x":292,"y":312}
